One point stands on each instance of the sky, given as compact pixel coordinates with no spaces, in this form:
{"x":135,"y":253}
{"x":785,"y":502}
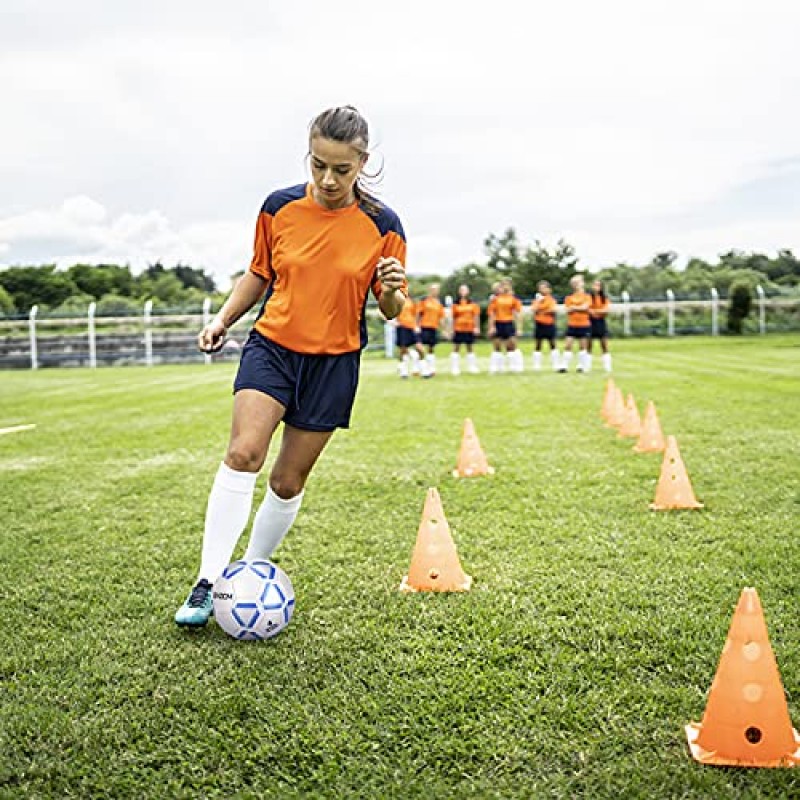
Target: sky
{"x":142,"y":132}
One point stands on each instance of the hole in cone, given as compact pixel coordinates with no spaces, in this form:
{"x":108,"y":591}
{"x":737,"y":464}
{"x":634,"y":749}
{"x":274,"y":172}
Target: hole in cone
{"x":433,"y":574}
{"x":752,"y":651}
{"x":672,"y":461}
{"x":753,"y":735}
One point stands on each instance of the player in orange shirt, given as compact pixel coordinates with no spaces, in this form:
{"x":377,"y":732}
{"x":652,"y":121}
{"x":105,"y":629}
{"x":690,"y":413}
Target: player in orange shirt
{"x":543,"y":309}
{"x":407,"y":340}
{"x":504,"y":313}
{"x":577,"y":305}
{"x":320,"y":248}
{"x":466,"y":325}
{"x":430,"y":313}
{"x":597,"y":314}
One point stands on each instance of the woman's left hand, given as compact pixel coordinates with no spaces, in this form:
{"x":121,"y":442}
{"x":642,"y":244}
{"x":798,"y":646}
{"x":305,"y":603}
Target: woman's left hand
{"x":391,"y":274}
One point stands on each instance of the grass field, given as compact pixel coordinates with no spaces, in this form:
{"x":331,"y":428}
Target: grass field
{"x":589,"y":639}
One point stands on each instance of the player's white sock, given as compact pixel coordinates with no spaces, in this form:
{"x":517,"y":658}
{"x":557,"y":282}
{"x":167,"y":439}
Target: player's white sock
{"x":431,"y":359}
{"x":495,"y":362}
{"x":555,"y":359}
{"x":414,"y":362}
{"x":606,"y":362}
{"x":455,"y":363}
{"x":402,"y":367}
{"x":515,"y":363}
{"x":566,"y":359}
{"x":424,"y":369}
{"x":228,"y":510}
{"x":537,"y":360}
{"x":472,"y":363}
{"x":273,"y":520}
{"x":587,"y":362}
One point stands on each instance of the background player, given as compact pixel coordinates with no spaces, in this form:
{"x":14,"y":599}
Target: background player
{"x":598,"y":311}
{"x":543,"y":309}
{"x":504,"y":314}
{"x":466,"y":325}
{"x":577,"y":306}
{"x":410,"y":352}
{"x":430,"y":313}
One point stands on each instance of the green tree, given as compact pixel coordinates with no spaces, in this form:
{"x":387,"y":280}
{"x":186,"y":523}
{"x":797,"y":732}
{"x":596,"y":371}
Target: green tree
{"x":6,"y":303}
{"x":739,"y":305}
{"x":478,"y":278}
{"x":43,"y":286}
{"x":116,"y":305}
{"x":502,"y":252}
{"x":538,"y":263}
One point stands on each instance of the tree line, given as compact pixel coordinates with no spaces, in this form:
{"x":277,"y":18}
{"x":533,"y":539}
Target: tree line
{"x":116,"y":290}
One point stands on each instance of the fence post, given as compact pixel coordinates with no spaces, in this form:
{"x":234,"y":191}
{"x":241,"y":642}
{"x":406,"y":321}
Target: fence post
{"x":206,"y":321}
{"x":762,"y":310}
{"x":148,"y":333}
{"x":92,"y":342}
{"x":670,"y":312}
{"x":714,"y":312}
{"x":388,"y":339}
{"x":32,"y":331}
{"x":626,"y":313}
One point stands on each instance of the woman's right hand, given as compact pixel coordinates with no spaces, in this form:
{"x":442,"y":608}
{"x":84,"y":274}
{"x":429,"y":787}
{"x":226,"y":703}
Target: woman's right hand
{"x":212,"y":337}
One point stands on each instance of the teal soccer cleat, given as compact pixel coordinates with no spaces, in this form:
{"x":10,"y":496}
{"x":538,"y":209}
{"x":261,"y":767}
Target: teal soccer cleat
{"x":194,"y":613}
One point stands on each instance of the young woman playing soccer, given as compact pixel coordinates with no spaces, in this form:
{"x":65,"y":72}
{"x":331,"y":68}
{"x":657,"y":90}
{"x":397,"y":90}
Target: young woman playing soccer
{"x":543,"y":309}
{"x":410,"y":351}
{"x":598,"y":311}
{"x":577,"y":305}
{"x":466,"y":324}
{"x":430,"y":313}
{"x":504,"y":312}
{"x":319,"y":249}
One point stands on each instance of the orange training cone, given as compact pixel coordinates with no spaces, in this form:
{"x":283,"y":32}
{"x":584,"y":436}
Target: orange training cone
{"x":674,"y":488}
{"x":616,"y":411}
{"x":471,"y":458}
{"x":434,"y":563}
{"x":746,"y":722}
{"x":631,"y":421}
{"x":651,"y":439}
{"x":608,"y":399}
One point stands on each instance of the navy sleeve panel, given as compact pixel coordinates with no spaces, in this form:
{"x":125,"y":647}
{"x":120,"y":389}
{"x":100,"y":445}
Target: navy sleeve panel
{"x":278,"y":199}
{"x":386,"y":220}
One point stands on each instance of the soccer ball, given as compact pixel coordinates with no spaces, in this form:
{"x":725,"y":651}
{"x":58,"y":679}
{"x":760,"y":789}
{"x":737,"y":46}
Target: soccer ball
{"x":253,"y":599}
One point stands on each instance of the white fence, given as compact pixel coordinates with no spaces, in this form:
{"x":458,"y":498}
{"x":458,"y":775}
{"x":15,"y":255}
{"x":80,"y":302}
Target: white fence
{"x":154,"y":338}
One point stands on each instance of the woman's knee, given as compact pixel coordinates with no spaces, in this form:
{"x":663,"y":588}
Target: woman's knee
{"x":286,"y":484}
{"x":244,"y":456}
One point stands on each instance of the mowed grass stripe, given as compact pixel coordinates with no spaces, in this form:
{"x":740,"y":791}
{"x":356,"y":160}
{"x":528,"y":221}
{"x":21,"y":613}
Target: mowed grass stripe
{"x":591,"y":635}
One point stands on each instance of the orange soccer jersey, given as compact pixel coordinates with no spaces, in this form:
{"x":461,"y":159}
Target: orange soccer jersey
{"x":466,"y":316}
{"x":503,"y":306}
{"x":407,"y":318}
{"x":599,"y":304}
{"x":320,"y":263}
{"x":577,"y":319}
{"x":545,"y":313}
{"x":431,"y":312}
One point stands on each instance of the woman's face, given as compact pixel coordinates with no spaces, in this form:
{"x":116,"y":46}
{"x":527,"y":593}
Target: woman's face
{"x":597,"y":286}
{"x":463,"y":290}
{"x":334,"y":169}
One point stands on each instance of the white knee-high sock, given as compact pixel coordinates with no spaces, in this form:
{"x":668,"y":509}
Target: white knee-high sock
{"x":227,"y":514}
{"x":555,"y":359}
{"x":537,"y":360}
{"x":455,"y":363}
{"x":431,"y":359}
{"x":607,"y":362}
{"x":472,"y":363}
{"x":273,"y":520}
{"x":566,"y":359}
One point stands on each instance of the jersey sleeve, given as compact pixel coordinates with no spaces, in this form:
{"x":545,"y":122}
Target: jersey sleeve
{"x":517,"y":304}
{"x":394,"y":246}
{"x":261,"y":263}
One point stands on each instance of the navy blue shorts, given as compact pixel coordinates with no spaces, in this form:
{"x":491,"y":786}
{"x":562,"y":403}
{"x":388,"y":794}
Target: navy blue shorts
{"x":578,"y":333}
{"x":317,"y":390}
{"x":545,"y":330}
{"x":505,"y":330}
{"x":463,"y":337}
{"x":405,"y":337}
{"x":599,"y":328}
{"x":430,"y":336}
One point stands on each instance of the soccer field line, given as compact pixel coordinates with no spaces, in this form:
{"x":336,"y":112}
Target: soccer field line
{"x":17,"y":429}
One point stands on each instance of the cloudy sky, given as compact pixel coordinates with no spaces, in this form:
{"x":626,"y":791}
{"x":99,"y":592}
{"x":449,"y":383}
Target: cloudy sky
{"x":133,"y":132}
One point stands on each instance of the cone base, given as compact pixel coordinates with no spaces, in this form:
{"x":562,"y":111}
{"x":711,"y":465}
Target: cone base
{"x":708,"y":757}
{"x":687,"y":507}
{"x":473,"y":473}
{"x":406,"y":587}
{"x":637,"y":449}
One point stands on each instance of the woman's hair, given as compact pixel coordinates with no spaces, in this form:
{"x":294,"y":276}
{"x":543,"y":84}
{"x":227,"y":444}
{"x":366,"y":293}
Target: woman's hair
{"x":345,"y":124}
{"x":601,"y":293}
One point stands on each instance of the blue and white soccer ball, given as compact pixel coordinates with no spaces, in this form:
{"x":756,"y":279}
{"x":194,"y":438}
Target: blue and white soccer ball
{"x":253,"y":599}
